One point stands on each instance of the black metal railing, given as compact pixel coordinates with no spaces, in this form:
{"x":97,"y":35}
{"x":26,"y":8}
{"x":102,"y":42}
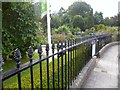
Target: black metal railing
{"x":57,"y":69}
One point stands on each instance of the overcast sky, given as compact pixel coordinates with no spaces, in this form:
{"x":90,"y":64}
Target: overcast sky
{"x":107,"y":7}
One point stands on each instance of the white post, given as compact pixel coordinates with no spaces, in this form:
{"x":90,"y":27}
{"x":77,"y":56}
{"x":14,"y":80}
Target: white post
{"x":93,"y":48}
{"x":48,"y":25}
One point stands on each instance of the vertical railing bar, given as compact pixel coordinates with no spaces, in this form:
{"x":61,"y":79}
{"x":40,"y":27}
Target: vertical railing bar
{"x":86,"y":53}
{"x":31,"y":73}
{"x":62,"y":66}
{"x":53,"y":47}
{"x":40,"y":74}
{"x":65,"y":66}
{"x":19,"y":81}
{"x":68,"y":64}
{"x":40,"y":56}
{"x":48,"y":73}
{"x":30,"y":54}
{"x":47,"y":53}
{"x":75,"y":60}
{"x":71,"y":62}
{"x":17,"y":57}
{"x":58,"y":63}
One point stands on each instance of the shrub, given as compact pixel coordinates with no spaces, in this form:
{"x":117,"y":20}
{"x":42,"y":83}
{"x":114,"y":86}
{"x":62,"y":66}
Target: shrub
{"x":62,"y":29}
{"x":61,"y":37}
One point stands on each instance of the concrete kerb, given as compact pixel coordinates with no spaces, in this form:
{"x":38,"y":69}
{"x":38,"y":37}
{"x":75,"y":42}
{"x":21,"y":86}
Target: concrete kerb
{"x":83,"y":75}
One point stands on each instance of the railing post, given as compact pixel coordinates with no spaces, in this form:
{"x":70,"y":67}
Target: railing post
{"x":93,"y":47}
{"x":30,"y":54}
{"x":17,"y":57}
{"x":40,"y":56}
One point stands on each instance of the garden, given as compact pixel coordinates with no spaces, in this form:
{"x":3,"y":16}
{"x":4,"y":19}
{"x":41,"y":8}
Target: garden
{"x":23,"y":27}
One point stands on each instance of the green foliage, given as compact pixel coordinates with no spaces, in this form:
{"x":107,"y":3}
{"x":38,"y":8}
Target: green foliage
{"x":80,"y":8}
{"x":62,"y":29}
{"x":106,"y":29}
{"x":112,"y":21}
{"x":61,"y":34}
{"x":78,"y":22}
{"x":58,"y":37}
{"x":91,"y":31}
{"x":41,"y":38}
{"x":55,"y":21}
{"x":19,"y":27}
{"x":100,"y":27}
{"x":59,"y":20}
{"x":98,"y":18}
{"x":66,"y":19}
{"x":107,"y":21}
{"x":78,"y":15}
{"x":75,"y":30}
{"x":89,"y":22}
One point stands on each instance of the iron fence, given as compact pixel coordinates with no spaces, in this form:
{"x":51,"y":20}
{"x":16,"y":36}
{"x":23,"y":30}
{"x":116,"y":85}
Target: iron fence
{"x":61,"y":71}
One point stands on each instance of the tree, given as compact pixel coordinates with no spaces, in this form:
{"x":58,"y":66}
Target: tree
{"x":80,"y":8}
{"x":98,"y":18}
{"x":19,"y":27}
{"x":66,"y":19}
{"x":112,"y":21}
{"x":55,"y":21}
{"x":61,"y":11}
{"x":78,"y":22}
{"x":107,"y":21}
{"x":89,"y":22}
{"x":60,"y":18}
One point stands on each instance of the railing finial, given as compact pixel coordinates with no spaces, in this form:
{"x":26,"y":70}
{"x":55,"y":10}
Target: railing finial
{"x":40,"y":49}
{"x":17,"y":57}
{"x":30,"y":53}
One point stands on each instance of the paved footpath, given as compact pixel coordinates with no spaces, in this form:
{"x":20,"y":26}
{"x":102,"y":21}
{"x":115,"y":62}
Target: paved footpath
{"x":105,"y":73}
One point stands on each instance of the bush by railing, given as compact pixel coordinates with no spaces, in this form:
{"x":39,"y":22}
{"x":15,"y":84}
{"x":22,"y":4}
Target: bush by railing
{"x":56,"y":70}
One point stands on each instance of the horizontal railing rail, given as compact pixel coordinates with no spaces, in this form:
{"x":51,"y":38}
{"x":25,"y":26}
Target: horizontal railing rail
{"x":70,"y":59}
